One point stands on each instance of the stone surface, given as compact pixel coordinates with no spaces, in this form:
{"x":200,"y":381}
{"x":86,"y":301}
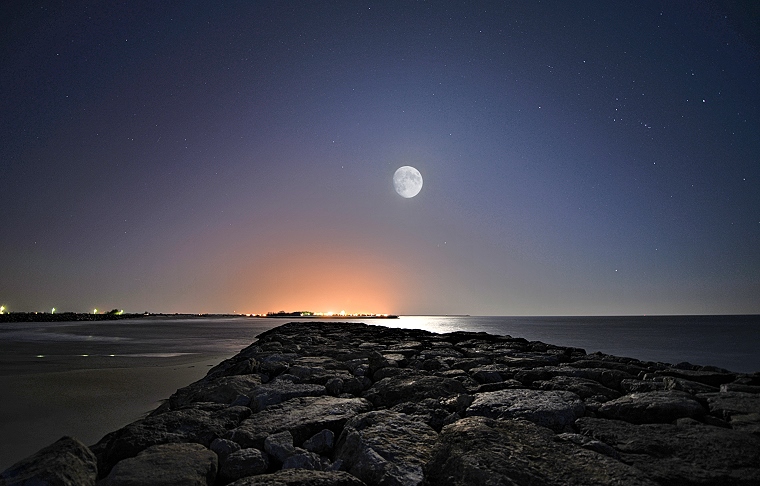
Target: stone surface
{"x":385,"y":448}
{"x":322,"y":442}
{"x":223,"y":448}
{"x":483,"y":451}
{"x":691,"y":387}
{"x":674,"y":454}
{"x":280,"y":445}
{"x":556,"y":410}
{"x":66,"y":462}
{"x":166,"y":465}
{"x":652,"y":407}
{"x":303,"y":459}
{"x":177,"y":426}
{"x":242,"y":463}
{"x":301,"y":477}
{"x":711,"y":378}
{"x":224,"y":390}
{"x":582,"y":387}
{"x":740,"y":409}
{"x":303,"y":417}
{"x":641,"y":386}
{"x":278,"y":391}
{"x":392,"y":391}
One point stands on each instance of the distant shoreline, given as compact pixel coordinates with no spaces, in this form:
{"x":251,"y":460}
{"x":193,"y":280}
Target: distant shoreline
{"x":332,"y":317}
{"x":80,"y":316}
{"x":63,"y":317}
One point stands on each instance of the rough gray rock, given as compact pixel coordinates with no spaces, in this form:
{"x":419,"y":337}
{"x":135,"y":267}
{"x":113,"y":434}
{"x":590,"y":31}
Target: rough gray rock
{"x":166,"y":465}
{"x":652,"y":407}
{"x":741,"y":410}
{"x":582,"y":387}
{"x":590,"y":444}
{"x":303,"y":459}
{"x":278,"y":391}
{"x":301,"y":477}
{"x":321,"y":443}
{"x":392,"y":391}
{"x":606,"y":377}
{"x":429,"y":411}
{"x":223,"y":448}
{"x":691,"y":387}
{"x":66,"y":462}
{"x":237,"y":365}
{"x":303,"y":417}
{"x":482,"y":451}
{"x":556,"y":410}
{"x":486,"y":374}
{"x":186,"y":425}
{"x":729,"y":404}
{"x":711,"y":378}
{"x":224,"y":390}
{"x":675,"y":454}
{"x":739,"y":387}
{"x":641,"y":386}
{"x":242,"y":463}
{"x":280,"y":445}
{"x":385,"y":448}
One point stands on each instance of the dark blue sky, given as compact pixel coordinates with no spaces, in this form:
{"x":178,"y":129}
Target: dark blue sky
{"x":578,"y":157}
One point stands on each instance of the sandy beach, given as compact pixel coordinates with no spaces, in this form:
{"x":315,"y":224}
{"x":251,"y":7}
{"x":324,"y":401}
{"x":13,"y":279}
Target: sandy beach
{"x":39,"y":408}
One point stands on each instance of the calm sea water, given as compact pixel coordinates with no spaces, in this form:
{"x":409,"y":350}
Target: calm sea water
{"x":730,"y":342}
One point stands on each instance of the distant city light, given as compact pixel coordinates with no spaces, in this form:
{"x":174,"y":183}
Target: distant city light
{"x":95,"y":311}
{"x":53,"y":311}
{"x":2,"y":309}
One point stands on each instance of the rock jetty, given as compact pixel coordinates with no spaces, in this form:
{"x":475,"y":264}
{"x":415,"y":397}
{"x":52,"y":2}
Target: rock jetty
{"x":323,"y":403}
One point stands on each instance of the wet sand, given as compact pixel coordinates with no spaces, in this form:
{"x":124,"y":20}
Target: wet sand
{"x":39,"y":408}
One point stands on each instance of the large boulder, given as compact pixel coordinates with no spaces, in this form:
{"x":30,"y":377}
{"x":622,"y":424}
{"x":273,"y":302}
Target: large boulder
{"x":556,"y":410}
{"x":242,"y":463}
{"x":302,"y":416}
{"x":582,"y":387}
{"x":482,"y":451}
{"x":66,"y":462}
{"x":186,"y":425}
{"x":385,"y":448}
{"x":279,"y":391}
{"x":321,"y":443}
{"x":166,"y":465}
{"x":224,"y":390}
{"x":410,"y":388}
{"x":741,"y":410}
{"x":280,"y":445}
{"x":652,"y":407}
{"x":681,"y":454}
{"x":711,"y":378}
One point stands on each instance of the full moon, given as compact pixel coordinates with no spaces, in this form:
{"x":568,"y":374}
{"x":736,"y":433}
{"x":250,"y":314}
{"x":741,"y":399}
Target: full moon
{"x":407,"y":181}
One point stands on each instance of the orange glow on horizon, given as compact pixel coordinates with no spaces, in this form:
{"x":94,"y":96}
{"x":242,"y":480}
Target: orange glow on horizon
{"x":325,"y":280}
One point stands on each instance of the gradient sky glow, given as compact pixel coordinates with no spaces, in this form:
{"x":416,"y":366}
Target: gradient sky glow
{"x":579,"y":158}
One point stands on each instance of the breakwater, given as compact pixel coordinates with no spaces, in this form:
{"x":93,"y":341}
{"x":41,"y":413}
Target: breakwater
{"x":348,"y":403}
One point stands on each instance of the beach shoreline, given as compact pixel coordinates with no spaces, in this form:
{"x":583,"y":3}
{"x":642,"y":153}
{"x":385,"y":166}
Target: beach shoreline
{"x":40,"y":408}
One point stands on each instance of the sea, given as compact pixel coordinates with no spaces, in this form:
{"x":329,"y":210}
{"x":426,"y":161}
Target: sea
{"x":730,"y":342}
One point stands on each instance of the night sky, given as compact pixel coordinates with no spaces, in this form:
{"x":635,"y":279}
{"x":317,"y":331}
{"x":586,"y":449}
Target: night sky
{"x":579,"y":158}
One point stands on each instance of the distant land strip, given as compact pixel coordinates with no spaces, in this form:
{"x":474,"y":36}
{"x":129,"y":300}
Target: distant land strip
{"x":111,"y":316}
